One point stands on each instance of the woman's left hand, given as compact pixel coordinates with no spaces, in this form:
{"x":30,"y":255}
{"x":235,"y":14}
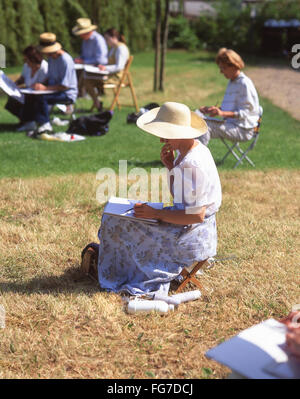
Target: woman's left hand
{"x":101,"y":67}
{"x":144,"y":211}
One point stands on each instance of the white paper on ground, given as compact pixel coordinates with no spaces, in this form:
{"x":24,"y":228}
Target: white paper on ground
{"x":61,"y":136}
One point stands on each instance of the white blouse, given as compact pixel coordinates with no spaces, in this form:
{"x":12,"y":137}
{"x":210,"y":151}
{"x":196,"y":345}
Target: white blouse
{"x":241,"y":97}
{"x":197,"y":182}
{"x":39,"y":77}
{"x":121,"y":55}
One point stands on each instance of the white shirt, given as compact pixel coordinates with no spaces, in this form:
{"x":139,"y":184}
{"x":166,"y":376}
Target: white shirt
{"x":197,"y":182}
{"x":241,"y":97}
{"x":39,"y":77}
{"x":121,"y":55}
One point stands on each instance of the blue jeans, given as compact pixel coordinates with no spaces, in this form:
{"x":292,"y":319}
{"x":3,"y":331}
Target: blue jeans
{"x":36,"y":106}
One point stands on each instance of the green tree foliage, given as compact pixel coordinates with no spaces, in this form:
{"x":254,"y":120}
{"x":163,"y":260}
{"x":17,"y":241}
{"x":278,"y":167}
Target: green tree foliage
{"x":234,"y":27}
{"x":181,"y":34}
{"x":280,"y":9}
{"x":135,"y":19}
{"x":22,"y":21}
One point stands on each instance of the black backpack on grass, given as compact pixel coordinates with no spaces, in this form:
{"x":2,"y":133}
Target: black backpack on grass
{"x":132,"y":118}
{"x":91,"y":125}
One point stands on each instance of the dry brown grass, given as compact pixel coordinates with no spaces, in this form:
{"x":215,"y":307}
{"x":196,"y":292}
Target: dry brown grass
{"x":59,"y":325}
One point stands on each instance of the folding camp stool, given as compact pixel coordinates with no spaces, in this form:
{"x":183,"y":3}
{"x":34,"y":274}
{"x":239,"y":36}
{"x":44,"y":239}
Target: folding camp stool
{"x":243,"y":153}
{"x":188,"y":275}
{"x":125,"y":81}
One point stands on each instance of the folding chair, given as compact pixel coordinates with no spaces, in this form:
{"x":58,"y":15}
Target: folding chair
{"x":243,"y":153}
{"x":188,"y":275}
{"x":125,"y":81}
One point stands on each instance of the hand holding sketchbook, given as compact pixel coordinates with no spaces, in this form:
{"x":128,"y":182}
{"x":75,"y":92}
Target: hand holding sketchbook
{"x":10,"y":88}
{"x":258,"y":352}
{"x":209,"y":118}
{"x":123,"y":208}
{"x":90,"y":69}
{"x":94,"y":69}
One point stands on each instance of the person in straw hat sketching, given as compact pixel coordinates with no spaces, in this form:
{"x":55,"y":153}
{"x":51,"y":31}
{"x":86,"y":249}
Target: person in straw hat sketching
{"x":94,"y":49}
{"x":61,"y":80}
{"x":138,"y":257}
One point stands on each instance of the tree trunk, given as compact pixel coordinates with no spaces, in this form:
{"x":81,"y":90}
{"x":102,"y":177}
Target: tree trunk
{"x":157,"y":45}
{"x":164,"y":45}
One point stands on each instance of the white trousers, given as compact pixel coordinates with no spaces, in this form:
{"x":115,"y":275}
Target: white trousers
{"x":226,"y":130}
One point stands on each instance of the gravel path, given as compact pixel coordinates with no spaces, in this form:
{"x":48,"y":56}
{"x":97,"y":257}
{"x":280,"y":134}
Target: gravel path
{"x":279,"y":84}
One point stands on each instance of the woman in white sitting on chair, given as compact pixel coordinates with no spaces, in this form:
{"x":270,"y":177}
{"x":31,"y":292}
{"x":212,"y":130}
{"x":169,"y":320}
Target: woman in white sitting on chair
{"x":137,"y":257}
{"x":117,"y":58}
{"x":35,"y":70}
{"x":240,"y":107}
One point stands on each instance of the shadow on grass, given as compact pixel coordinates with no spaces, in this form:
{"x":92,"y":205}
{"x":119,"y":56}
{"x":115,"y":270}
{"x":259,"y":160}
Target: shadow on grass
{"x":9,"y":127}
{"x":72,"y":281}
{"x":209,"y":58}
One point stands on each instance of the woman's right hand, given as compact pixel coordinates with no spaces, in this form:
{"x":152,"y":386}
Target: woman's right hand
{"x":204,"y":110}
{"x":167,"y":156}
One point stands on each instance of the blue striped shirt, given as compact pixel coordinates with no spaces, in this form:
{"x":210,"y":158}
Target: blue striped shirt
{"x":94,"y":50}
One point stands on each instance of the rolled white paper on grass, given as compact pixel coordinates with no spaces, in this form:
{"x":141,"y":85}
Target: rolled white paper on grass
{"x":187,"y":296}
{"x":139,"y":306}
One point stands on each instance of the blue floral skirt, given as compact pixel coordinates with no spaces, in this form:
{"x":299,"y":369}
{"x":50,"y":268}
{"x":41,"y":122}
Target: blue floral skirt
{"x":139,"y":258}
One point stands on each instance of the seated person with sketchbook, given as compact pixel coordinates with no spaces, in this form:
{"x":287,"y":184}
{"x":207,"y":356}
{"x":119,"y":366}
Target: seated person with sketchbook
{"x":61,"y":80}
{"x":117,"y":58}
{"x":265,"y":350}
{"x":138,"y":257}
{"x":240,"y":107}
{"x":93,"y":49}
{"x":34,"y":71}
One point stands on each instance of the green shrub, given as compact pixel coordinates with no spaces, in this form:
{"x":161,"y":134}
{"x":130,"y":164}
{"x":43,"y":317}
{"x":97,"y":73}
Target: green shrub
{"x":181,"y":34}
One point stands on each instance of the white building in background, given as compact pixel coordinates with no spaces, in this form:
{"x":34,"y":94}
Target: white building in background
{"x":192,"y":8}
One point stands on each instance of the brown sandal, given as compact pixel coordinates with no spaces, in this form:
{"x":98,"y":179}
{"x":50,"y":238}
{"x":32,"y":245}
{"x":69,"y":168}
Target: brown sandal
{"x":89,"y":262}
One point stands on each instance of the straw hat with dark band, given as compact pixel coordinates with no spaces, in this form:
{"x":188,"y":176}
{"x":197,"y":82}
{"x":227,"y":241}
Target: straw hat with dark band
{"x":48,"y":43}
{"x":172,"y":121}
{"x":83,"y":25}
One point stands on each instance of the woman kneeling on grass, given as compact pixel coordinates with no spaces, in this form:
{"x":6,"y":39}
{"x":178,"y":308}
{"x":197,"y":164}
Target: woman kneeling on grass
{"x":138,"y":257}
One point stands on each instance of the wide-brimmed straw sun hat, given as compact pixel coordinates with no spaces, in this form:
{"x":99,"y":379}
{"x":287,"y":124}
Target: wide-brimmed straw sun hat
{"x":48,"y":43}
{"x":172,"y":121}
{"x":83,"y":25}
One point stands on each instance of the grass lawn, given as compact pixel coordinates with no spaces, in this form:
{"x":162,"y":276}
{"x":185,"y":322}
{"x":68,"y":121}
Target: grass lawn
{"x":190,"y":78}
{"x":58,"y":323}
